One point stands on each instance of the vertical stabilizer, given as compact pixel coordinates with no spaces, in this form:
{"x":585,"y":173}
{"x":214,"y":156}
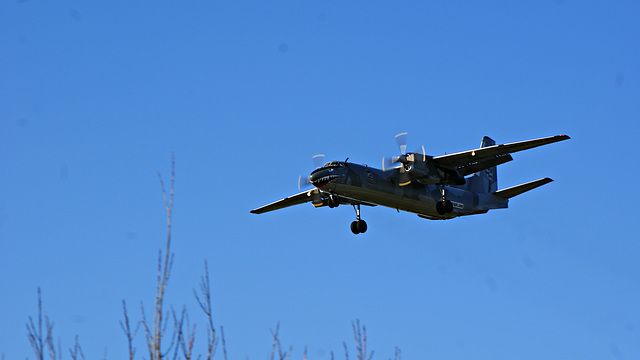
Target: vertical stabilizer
{"x":487,"y":180}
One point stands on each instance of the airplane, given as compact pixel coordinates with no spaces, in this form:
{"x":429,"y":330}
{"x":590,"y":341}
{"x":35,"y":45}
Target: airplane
{"x":433,"y":187}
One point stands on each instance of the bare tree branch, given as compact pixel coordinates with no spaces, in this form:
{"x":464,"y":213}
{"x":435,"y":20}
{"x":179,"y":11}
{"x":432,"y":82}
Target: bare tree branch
{"x":126,"y":328}
{"x":276,"y":346}
{"x":398,"y":354}
{"x":360,"y":337}
{"x":184,"y":342}
{"x":205,"y":305}
{"x":76,"y":351}
{"x":38,"y":339}
{"x":147,"y":331}
{"x":224,"y":345}
{"x":34,"y":334}
{"x":156,"y":334}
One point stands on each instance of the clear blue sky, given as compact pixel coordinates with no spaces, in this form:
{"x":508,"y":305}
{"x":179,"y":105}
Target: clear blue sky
{"x":94,"y":98}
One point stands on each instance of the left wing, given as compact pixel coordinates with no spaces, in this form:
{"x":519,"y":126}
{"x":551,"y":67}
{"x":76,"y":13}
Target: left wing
{"x":296,"y":199}
{"x":307,"y":196}
{"x":480,"y":157}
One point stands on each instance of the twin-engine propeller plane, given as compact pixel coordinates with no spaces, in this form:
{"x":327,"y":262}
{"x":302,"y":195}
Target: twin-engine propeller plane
{"x":433,"y":187}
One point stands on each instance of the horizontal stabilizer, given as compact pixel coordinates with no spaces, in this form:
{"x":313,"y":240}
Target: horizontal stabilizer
{"x":519,"y":189}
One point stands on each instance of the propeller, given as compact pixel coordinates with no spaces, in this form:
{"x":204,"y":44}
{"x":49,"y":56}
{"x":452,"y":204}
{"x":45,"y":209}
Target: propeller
{"x":404,"y":162}
{"x":303,"y":181}
{"x":318,"y":160}
{"x":389,"y":163}
{"x":401,"y":140}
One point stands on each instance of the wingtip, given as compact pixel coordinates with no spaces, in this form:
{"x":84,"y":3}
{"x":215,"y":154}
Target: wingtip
{"x":564,"y":137}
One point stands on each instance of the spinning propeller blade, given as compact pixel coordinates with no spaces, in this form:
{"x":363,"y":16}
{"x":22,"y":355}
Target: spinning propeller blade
{"x":303,"y":181}
{"x":389,"y":163}
{"x":318,"y":160}
{"x":403,"y":162}
{"x":401,"y":140}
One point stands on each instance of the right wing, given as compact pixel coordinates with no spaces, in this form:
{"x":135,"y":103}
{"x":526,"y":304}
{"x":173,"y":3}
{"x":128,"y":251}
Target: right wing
{"x":296,"y":199}
{"x":490,"y":155}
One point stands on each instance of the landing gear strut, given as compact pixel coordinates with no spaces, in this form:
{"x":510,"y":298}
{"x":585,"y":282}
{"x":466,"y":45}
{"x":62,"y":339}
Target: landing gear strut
{"x":358,"y":226}
{"x":445,"y":206}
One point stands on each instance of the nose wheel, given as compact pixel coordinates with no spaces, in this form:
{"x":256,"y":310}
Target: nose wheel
{"x":359,"y":226}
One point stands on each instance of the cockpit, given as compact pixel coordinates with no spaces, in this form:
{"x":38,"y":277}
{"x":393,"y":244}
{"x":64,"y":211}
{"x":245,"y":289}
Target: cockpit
{"x":327,"y":173}
{"x":333,"y":164}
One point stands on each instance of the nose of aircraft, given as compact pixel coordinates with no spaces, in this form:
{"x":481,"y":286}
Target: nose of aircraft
{"x":322,"y":177}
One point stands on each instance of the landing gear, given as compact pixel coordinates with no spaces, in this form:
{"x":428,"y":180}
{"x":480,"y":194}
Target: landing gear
{"x":359,"y":226}
{"x":333,"y":201}
{"x":445,"y":206}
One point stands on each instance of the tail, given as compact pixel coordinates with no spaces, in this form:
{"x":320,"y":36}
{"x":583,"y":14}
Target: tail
{"x":484,"y":181}
{"x":508,"y":193}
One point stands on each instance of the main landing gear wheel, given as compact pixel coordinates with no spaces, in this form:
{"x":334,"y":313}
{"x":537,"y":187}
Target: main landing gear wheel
{"x":445,"y":206}
{"x":359,"y":226}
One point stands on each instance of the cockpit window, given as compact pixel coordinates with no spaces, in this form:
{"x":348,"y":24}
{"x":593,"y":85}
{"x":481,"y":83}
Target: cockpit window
{"x":334,"y":164}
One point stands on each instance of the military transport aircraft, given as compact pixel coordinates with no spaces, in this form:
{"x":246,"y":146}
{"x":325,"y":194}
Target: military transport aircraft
{"x":433,"y":187}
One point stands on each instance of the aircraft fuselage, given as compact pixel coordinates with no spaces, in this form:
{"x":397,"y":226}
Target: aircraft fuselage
{"x":355,"y":181}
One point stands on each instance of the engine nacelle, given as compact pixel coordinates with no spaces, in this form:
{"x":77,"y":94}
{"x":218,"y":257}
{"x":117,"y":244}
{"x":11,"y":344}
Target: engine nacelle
{"x":424,"y":171}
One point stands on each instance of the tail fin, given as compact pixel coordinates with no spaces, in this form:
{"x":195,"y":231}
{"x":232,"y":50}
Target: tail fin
{"x":488,"y":178}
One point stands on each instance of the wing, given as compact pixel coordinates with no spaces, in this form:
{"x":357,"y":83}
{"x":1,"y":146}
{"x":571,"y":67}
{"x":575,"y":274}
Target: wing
{"x":296,"y":199}
{"x":492,"y":155}
{"x":307,"y":196}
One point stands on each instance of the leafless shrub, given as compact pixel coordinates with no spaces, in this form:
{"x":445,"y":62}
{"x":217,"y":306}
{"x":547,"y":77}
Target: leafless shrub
{"x":155,"y":333}
{"x":204,"y":300}
{"x":398,"y":354}
{"x":360,"y":337}
{"x":41,"y":339}
{"x":76,"y":351}
{"x":40,"y":332}
{"x":183,"y":335}
{"x":276,"y":348}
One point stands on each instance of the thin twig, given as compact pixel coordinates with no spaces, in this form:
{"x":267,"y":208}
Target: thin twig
{"x":276,"y":345}
{"x":346,"y":350}
{"x":76,"y":351}
{"x":224,"y":345}
{"x":156,"y":335}
{"x":126,"y":328}
{"x":34,"y":334}
{"x":147,"y":332}
{"x":205,"y":305}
